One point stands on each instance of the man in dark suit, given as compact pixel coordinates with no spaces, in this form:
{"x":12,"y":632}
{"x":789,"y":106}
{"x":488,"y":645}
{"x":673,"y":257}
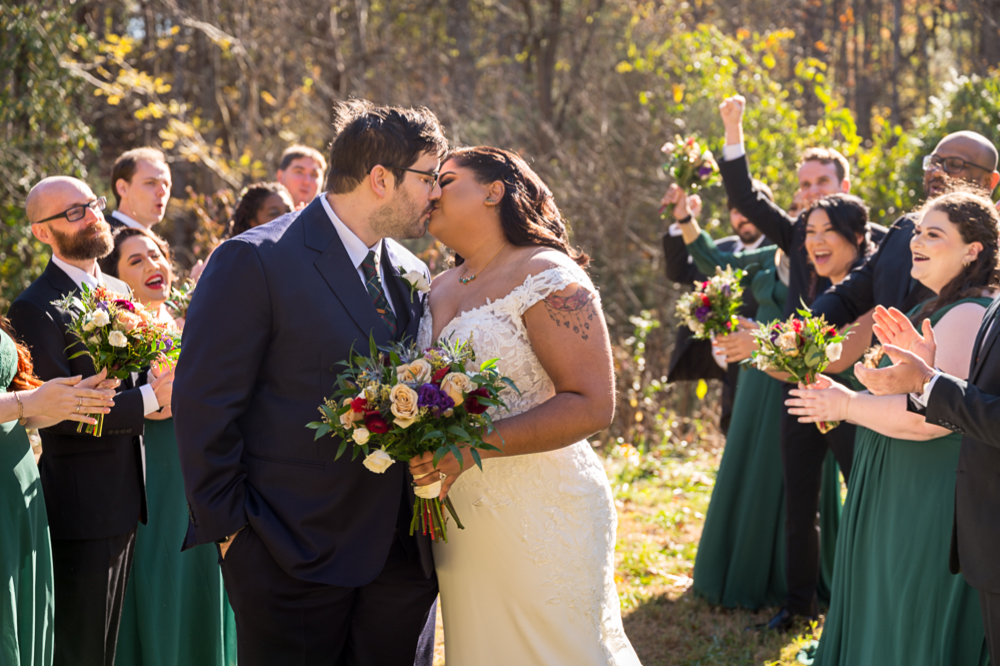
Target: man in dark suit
{"x":971,"y":408}
{"x":94,"y":486}
{"x":141,"y":182}
{"x":692,"y":359}
{"x":804,"y":448}
{"x":318,"y":561}
{"x":885,"y":278}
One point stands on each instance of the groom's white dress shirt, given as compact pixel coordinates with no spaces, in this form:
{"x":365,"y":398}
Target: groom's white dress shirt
{"x":149,"y":402}
{"x":357,"y":250}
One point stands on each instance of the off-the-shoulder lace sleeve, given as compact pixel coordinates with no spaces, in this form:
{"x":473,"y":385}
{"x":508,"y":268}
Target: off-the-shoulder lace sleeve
{"x":540,"y":285}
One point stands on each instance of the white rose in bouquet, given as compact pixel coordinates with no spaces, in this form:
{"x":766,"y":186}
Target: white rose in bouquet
{"x":834,"y":351}
{"x":377,"y":461}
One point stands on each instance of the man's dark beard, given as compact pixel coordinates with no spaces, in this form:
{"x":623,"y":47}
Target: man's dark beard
{"x":85,"y":244}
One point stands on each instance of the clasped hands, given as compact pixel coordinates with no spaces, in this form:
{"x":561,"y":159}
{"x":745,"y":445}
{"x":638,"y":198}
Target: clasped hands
{"x":912,"y":355}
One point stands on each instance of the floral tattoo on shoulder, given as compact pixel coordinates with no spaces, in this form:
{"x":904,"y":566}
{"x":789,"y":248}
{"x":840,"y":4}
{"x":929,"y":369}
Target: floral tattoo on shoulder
{"x":575,"y":312}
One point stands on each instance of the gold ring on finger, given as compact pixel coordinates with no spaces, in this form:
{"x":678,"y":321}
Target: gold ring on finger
{"x":80,"y":404}
{"x":78,"y":409}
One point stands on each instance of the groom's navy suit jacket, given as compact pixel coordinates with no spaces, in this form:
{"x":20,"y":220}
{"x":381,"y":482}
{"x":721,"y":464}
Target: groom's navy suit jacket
{"x":275,"y":310}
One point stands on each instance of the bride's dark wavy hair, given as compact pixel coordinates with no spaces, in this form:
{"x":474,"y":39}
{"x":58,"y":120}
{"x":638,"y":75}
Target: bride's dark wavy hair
{"x":528,"y":213}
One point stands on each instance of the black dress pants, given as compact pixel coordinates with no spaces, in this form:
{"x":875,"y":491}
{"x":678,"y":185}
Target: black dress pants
{"x":803,"y":450}
{"x":287,"y":621}
{"x":90,"y":577}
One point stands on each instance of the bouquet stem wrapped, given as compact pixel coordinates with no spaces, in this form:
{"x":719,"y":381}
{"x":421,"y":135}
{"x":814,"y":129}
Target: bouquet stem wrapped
{"x":803,"y":347}
{"x":401,"y":402}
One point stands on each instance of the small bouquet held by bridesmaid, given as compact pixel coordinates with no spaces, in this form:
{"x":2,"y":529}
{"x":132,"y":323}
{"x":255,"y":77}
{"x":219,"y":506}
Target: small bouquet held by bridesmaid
{"x":401,"y":402}
{"x":691,"y":167}
{"x":710,"y":309}
{"x":119,"y":334}
{"x":801,"y":347}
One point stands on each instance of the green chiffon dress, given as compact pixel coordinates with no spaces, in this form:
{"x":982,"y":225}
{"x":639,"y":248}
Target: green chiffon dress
{"x":27,"y":610}
{"x":175,"y":609}
{"x":741,"y":555}
{"x":894,"y":600}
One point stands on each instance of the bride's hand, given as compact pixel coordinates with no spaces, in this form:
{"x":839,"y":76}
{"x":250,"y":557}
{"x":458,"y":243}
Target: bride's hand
{"x":824,"y":400}
{"x":425,"y":473}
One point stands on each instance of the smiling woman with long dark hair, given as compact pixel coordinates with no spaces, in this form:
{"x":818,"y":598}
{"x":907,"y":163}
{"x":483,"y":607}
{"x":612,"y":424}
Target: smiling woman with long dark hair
{"x":893,"y":598}
{"x":175,"y":610}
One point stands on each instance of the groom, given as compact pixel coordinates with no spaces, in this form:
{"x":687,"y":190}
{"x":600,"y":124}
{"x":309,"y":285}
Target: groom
{"x":316,"y":554}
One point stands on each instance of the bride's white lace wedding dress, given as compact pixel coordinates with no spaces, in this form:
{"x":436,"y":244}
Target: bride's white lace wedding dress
{"x":530,"y":580}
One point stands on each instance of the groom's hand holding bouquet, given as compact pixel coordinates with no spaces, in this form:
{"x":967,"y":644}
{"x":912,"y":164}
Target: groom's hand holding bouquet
{"x":402,"y":403}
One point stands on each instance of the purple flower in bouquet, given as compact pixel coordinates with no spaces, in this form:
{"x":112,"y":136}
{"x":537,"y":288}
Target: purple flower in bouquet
{"x":434,"y":398}
{"x":702,"y":313}
{"x":705,"y":172}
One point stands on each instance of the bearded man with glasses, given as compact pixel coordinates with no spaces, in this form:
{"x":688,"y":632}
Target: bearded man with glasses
{"x":94,"y":486}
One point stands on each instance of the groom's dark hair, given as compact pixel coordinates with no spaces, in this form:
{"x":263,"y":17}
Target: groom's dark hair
{"x":368,"y":135}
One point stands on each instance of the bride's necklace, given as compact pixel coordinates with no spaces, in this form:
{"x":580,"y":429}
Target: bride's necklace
{"x":467,"y":280}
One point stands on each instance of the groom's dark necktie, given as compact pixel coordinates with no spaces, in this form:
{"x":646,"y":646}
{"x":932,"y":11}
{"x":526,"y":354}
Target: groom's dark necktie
{"x":377,"y":293}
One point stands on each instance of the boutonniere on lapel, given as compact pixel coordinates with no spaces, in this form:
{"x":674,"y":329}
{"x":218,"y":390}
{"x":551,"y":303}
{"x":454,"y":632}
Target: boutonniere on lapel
{"x":416,"y":281}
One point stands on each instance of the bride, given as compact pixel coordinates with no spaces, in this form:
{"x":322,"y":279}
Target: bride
{"x":530,"y":580}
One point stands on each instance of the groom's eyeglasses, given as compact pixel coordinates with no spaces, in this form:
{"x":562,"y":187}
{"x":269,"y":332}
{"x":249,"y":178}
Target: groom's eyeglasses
{"x":433,"y":175}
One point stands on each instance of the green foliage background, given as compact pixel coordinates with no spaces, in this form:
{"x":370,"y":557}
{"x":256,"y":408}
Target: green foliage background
{"x":587,"y":90}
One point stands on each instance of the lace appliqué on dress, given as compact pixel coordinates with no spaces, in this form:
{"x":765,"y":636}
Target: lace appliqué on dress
{"x":561,"y":498}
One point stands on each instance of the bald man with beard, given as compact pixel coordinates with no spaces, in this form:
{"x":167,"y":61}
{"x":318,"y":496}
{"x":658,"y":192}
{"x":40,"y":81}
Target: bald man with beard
{"x":94,"y":487}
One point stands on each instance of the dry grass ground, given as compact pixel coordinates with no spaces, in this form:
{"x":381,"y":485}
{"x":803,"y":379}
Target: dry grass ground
{"x":662,"y":496}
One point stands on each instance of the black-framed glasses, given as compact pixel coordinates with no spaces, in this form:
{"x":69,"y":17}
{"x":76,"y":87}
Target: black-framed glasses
{"x":79,"y":211}
{"x":433,"y":175}
{"x":951,"y":165}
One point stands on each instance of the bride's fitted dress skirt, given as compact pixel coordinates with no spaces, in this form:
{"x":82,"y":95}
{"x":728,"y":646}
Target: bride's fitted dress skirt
{"x":530,"y":580}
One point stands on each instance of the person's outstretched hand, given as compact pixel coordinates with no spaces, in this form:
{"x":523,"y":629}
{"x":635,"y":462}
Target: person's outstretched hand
{"x":892,"y":327}
{"x":731,"y":111}
{"x":908,"y":374}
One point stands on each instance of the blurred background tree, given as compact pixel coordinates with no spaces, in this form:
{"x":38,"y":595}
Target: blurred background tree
{"x":587,"y":90}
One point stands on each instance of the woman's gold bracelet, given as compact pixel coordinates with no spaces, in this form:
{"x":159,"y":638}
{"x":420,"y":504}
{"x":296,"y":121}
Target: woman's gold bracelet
{"x":20,"y":410}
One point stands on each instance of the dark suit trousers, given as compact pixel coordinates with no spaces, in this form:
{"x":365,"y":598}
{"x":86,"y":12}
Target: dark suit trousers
{"x":90,"y":580}
{"x":803,"y":450}
{"x":284,"y":620}
{"x":989,"y":604}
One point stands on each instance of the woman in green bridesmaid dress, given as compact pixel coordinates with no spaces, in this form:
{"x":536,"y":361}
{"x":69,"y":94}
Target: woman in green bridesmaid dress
{"x":740,"y":561}
{"x":175,"y":609}
{"x":26,"y":587}
{"x":894,"y":600}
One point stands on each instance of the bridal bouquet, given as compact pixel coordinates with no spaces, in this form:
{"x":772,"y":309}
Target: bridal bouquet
{"x":119,"y":334}
{"x":710,"y":309}
{"x":691,"y":167}
{"x":801,"y":347}
{"x":401,"y":402}
{"x":180,"y":298}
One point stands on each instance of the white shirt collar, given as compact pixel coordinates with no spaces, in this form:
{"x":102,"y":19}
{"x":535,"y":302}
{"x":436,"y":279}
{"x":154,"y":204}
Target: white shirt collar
{"x":356,"y":248}
{"x":79,"y":276}
{"x":740,"y":247}
{"x":128,"y":221}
